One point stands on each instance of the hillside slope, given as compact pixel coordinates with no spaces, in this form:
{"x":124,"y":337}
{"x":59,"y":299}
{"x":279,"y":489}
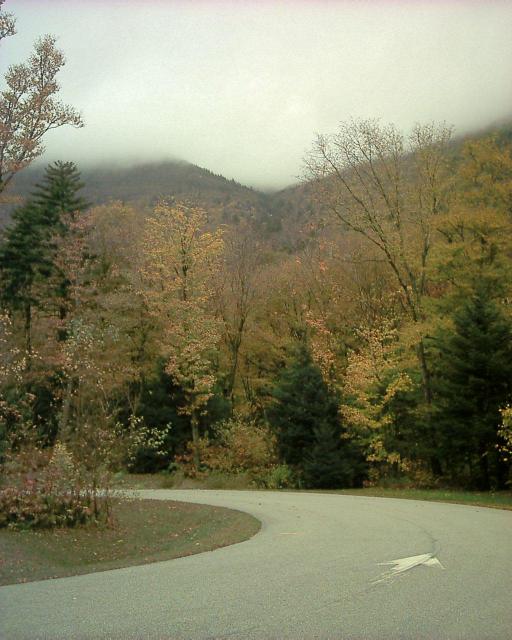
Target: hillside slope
{"x":281,"y":215}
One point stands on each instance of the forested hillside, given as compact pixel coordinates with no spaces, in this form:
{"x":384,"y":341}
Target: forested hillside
{"x":277,"y":214}
{"x":373,"y":341}
{"x":280,"y":213}
{"x":144,"y":185}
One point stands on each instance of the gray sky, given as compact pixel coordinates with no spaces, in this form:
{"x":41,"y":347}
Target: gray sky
{"x":241,"y":88}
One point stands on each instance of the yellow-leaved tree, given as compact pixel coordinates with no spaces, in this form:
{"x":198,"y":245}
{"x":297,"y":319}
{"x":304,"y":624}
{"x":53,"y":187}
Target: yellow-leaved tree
{"x":181,"y":260}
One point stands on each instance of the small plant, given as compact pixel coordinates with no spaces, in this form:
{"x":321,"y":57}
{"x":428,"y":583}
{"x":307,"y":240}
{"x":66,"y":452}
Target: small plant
{"x":138,"y":437}
{"x":279,"y":477}
{"x":45,"y":491}
{"x":504,"y":445}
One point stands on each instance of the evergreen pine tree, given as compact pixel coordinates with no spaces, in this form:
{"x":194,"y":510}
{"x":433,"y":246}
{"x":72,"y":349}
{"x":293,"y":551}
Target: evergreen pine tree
{"x":24,"y":260}
{"x":57,"y":196}
{"x":474,"y":381}
{"x":304,"y":416}
{"x":27,"y":252}
{"x":333,"y":462}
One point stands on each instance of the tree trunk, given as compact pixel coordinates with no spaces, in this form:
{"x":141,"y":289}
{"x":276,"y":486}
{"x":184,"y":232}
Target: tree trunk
{"x":435,"y":463}
{"x":28,"y":333}
{"x":425,"y":373}
{"x":483,"y":463}
{"x":66,"y":408}
{"x":62,"y":333}
{"x":232,"y":376}
{"x":194,"y":421}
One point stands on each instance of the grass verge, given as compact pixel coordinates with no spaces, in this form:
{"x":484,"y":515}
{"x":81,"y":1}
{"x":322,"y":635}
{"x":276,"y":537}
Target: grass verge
{"x":239,"y":481}
{"x":497,"y":500}
{"x":145,"y":531}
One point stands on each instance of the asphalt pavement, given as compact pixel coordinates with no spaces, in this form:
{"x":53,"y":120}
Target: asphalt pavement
{"x":323,"y":566}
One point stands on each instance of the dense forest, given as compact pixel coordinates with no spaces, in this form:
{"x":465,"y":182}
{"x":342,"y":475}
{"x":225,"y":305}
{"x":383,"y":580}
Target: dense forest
{"x":367,"y":337}
{"x":351,"y":330}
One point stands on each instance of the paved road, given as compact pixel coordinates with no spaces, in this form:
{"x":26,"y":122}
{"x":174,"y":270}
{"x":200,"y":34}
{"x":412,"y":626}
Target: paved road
{"x":312,"y":572}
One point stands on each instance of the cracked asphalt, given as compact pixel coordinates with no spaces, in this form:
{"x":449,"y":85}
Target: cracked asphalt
{"x":313,"y":571}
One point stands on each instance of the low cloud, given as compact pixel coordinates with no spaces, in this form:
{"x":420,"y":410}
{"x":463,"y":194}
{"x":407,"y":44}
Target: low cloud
{"x":241,"y":88}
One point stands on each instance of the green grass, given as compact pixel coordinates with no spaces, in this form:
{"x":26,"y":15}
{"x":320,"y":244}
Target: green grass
{"x":497,"y":500}
{"x":128,"y":481}
{"x":144,"y":531}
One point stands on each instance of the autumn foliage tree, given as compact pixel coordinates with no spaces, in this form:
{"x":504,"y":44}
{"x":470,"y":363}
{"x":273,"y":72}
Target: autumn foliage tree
{"x":29,"y":103}
{"x":181,"y":261}
{"x":122,"y":318}
{"x":389,"y":190}
{"x":7,"y":23}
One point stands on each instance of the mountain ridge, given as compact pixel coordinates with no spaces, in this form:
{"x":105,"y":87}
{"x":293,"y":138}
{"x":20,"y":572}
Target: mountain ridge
{"x":279,"y":212}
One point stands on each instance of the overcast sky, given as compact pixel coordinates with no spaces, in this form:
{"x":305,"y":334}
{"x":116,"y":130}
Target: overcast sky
{"x":241,"y":88}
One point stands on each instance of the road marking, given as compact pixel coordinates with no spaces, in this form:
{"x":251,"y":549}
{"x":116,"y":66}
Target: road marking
{"x":401,"y":565}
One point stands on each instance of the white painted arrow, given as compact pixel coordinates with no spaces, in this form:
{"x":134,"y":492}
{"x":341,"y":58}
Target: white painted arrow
{"x":405,"y":564}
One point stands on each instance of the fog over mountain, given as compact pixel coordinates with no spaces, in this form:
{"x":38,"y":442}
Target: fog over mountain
{"x":241,"y":88}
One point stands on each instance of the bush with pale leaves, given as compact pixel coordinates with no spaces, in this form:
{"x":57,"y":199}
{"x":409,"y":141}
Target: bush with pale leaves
{"x":50,"y":491}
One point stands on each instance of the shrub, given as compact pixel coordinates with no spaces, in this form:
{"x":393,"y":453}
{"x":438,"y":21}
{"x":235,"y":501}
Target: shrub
{"x":240,"y":446}
{"x":278,"y":477}
{"x":45,"y":491}
{"x":27,"y":507}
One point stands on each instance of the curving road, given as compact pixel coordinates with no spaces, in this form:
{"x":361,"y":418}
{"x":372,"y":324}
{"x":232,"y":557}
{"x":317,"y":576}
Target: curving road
{"x":313,"y":571}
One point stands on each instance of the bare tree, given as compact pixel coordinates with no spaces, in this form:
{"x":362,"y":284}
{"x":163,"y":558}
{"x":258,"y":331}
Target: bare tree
{"x":236,"y":296}
{"x":389,"y":189}
{"x":29,"y":106}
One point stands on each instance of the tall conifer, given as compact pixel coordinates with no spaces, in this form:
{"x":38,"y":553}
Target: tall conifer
{"x":474,"y":381}
{"x":27,"y":252}
{"x":305,"y":417}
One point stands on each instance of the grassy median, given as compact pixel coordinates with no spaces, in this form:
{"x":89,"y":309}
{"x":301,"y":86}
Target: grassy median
{"x":144,"y":531}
